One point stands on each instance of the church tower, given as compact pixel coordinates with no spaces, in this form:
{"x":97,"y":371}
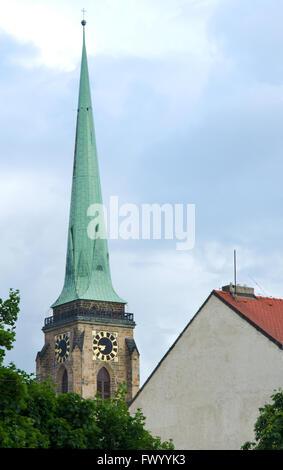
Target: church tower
{"x":89,"y":344}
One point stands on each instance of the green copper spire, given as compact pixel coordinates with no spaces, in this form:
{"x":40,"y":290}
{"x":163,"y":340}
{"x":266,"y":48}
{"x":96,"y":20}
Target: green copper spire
{"x":87,"y":265}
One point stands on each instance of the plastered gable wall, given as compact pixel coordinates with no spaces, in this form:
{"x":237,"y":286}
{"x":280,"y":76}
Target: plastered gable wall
{"x":207,"y":391}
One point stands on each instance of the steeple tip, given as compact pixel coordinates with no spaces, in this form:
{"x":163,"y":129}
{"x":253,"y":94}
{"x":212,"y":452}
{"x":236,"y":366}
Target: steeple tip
{"x":83,"y":22}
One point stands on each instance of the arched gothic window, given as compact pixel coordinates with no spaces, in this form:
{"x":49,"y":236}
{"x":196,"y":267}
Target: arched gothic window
{"x":103,"y":383}
{"x":65,"y":382}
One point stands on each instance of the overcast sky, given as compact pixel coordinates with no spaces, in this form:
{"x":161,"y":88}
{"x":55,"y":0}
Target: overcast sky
{"x":188,"y":108}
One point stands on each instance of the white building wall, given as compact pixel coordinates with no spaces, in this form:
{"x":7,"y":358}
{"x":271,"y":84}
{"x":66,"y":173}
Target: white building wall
{"x":207,"y":391}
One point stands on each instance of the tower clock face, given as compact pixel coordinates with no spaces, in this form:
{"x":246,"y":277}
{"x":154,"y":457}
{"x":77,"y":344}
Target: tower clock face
{"x":62,"y":347}
{"x":105,"y":346}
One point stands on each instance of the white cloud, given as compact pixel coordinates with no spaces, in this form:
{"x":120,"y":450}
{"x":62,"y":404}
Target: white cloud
{"x":139,"y":28}
{"x":32,"y":208}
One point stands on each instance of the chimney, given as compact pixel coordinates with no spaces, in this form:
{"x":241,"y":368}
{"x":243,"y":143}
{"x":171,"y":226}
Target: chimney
{"x":240,"y":291}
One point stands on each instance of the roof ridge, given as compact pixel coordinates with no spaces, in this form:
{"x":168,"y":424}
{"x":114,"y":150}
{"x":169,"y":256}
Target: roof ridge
{"x":255,"y":296}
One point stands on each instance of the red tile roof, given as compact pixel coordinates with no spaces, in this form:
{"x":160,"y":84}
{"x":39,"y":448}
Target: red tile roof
{"x":265,"y":313}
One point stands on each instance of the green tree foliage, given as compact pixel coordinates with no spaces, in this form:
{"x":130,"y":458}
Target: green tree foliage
{"x":32,"y":415}
{"x":269,"y":426}
{"x":8,"y":316}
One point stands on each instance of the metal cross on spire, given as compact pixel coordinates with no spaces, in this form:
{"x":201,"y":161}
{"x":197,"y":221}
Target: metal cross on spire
{"x":83,"y":21}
